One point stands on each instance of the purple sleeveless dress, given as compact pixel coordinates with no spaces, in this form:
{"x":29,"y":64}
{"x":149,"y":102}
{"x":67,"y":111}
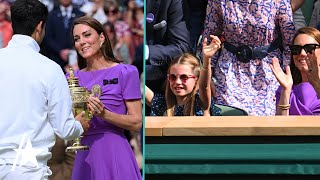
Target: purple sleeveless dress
{"x":303,"y":100}
{"x":110,"y":156}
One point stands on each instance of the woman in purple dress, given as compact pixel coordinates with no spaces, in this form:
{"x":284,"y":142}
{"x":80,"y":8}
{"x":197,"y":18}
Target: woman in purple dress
{"x":300,"y":84}
{"x":119,"y":107}
{"x":254,"y":32}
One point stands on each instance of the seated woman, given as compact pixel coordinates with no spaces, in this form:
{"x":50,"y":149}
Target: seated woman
{"x":300,"y":84}
{"x":188,"y":90}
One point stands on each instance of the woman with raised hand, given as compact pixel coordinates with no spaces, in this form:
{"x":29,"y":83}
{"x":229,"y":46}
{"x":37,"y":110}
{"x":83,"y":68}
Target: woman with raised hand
{"x":300,"y":83}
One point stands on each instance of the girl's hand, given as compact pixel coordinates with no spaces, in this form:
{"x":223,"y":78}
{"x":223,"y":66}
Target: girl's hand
{"x":313,"y":73}
{"x":208,"y":50}
{"x":96,"y":106}
{"x":285,"y":79}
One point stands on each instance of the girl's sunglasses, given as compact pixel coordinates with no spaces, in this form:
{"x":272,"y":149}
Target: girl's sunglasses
{"x":296,"y":49}
{"x":114,"y":11}
{"x":183,"y":77}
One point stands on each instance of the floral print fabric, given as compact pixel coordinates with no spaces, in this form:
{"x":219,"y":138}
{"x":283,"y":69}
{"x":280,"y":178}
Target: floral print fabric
{"x":255,"y":23}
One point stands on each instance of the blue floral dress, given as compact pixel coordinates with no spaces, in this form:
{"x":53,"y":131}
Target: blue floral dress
{"x":159,"y":107}
{"x":250,"y":86}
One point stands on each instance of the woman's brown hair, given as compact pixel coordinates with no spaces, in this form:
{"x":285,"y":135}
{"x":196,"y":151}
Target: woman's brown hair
{"x":106,"y":48}
{"x":312,"y":32}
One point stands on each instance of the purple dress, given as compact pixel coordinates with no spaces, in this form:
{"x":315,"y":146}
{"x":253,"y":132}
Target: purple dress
{"x":110,"y":156}
{"x":256,"y":23}
{"x":303,"y":100}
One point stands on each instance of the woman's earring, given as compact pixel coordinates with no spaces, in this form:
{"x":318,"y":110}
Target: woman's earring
{"x":101,"y":44}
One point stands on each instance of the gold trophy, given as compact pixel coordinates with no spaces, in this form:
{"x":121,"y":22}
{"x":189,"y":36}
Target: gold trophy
{"x":79,"y":96}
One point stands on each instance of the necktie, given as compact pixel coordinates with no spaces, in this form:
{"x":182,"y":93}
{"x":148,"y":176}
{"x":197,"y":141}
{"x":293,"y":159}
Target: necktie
{"x":66,"y":19}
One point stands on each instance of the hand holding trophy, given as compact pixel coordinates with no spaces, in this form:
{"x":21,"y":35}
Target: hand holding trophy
{"x":79,"y":96}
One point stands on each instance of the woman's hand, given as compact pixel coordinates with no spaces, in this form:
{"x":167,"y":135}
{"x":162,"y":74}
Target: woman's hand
{"x":96,"y":106}
{"x":285,"y":79}
{"x":208,"y":50}
{"x":313,"y":73}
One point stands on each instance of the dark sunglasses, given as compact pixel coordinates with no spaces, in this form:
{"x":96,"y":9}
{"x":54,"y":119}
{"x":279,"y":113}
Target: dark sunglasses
{"x":112,"y":11}
{"x":183,"y":77}
{"x":296,"y":49}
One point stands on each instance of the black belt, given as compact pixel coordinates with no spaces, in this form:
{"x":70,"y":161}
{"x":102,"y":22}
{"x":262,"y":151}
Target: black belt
{"x":245,"y":53}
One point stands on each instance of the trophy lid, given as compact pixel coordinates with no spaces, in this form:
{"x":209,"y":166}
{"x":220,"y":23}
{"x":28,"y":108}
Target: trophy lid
{"x":72,"y":80}
{"x":73,"y":83}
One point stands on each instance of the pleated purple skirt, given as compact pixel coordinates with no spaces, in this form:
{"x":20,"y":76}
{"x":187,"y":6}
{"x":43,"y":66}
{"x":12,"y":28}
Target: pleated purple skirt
{"x":110,"y":158}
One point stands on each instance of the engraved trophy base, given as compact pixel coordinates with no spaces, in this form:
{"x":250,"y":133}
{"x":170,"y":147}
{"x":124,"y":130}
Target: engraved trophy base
{"x":77,"y":146}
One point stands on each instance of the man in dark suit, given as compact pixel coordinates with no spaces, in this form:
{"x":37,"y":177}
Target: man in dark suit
{"x":167,"y":37}
{"x":58,"y":41}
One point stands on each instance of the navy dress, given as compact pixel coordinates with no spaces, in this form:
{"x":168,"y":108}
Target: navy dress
{"x":159,"y":107}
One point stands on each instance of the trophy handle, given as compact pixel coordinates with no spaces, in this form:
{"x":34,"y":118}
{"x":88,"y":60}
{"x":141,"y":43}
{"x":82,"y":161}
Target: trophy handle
{"x":96,"y":91}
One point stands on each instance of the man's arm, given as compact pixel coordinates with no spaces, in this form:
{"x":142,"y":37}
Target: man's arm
{"x":296,"y":4}
{"x":176,"y":38}
{"x":59,"y":107}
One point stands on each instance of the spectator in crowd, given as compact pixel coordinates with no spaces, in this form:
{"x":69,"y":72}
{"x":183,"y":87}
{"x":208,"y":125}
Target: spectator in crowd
{"x":122,"y":28}
{"x":120,"y":49}
{"x":315,"y":17}
{"x":299,"y":19}
{"x":167,"y":37}
{"x":79,"y":3}
{"x":135,"y":19}
{"x":36,"y":101}
{"x":188,"y":90}
{"x":296,"y":4}
{"x":49,"y":4}
{"x":195,"y":16}
{"x":300,"y":84}
{"x":95,"y":10}
{"x":253,"y":33}
{"x":5,"y":25}
{"x":57,"y":41}
{"x":118,"y":108}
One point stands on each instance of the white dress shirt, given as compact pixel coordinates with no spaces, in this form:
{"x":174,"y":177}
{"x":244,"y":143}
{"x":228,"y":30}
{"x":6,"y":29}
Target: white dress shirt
{"x":66,"y":11}
{"x":35,"y":101}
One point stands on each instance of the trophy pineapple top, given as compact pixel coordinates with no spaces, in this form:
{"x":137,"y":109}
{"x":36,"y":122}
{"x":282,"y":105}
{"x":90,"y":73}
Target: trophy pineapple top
{"x":73,"y":81}
{"x":74,"y":86}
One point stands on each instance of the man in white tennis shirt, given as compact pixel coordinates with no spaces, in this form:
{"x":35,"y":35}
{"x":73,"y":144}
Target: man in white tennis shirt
{"x":35,"y":100}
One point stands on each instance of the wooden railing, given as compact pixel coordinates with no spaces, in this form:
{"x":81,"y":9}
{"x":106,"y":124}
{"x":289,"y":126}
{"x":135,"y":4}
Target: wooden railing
{"x":233,"y":126}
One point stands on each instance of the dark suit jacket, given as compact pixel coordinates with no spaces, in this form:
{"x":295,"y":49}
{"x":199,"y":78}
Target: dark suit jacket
{"x":167,"y":42}
{"x":57,"y":36}
{"x":61,"y":163}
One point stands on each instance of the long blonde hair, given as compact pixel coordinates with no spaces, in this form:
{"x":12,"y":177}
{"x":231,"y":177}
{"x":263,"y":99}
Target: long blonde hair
{"x":188,"y":110}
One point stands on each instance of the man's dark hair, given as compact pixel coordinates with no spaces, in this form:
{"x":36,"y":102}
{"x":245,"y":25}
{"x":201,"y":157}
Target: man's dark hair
{"x":26,"y":15}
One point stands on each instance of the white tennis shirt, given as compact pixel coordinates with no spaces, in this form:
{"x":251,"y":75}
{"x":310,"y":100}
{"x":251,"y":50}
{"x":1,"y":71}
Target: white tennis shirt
{"x":35,"y":101}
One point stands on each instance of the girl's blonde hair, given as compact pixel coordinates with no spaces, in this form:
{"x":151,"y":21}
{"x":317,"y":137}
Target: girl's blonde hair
{"x":188,"y":110}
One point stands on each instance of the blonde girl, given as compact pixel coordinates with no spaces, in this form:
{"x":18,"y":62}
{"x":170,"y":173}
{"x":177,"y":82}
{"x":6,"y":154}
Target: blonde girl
{"x":187,"y":87}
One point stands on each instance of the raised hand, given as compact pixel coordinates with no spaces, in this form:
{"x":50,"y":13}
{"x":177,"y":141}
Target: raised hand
{"x":285,"y":79}
{"x":313,"y":73}
{"x":208,"y":50}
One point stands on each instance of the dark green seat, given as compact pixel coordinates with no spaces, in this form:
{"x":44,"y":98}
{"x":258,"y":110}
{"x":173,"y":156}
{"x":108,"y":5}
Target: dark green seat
{"x":231,"y":111}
